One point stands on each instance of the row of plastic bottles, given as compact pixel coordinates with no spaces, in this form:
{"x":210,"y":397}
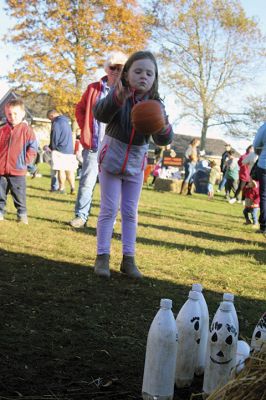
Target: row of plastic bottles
{"x":178,"y":349}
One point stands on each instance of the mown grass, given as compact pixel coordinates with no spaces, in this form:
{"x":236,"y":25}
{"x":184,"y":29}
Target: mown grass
{"x":67,"y":334}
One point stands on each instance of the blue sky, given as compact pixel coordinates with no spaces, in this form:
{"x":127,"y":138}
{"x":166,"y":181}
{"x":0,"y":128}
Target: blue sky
{"x":9,"y":54}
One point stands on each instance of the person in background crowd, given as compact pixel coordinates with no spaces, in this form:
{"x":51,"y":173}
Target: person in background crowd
{"x":244,"y":176}
{"x":61,"y":144}
{"x":231,"y":174}
{"x":92,"y":133}
{"x":214,"y":175}
{"x":191,"y":158}
{"x":252,"y":202}
{"x":18,"y":147}
{"x":224,"y":159}
{"x":260,"y":149}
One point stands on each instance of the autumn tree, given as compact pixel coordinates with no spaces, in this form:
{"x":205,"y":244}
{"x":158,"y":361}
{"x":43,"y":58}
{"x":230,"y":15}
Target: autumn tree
{"x":253,"y":115}
{"x":208,"y":48}
{"x":63,"y":42}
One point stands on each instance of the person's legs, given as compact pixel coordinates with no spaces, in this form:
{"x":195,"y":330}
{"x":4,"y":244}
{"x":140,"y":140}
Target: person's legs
{"x":222,"y":183}
{"x":62,"y":180}
{"x":246,"y":212}
{"x":131,"y":189}
{"x":262,"y":181}
{"x":54,"y":180}
{"x":188,"y":174}
{"x":4,"y":188}
{"x":87,"y":183}
{"x":228,"y":185}
{"x":243,"y":184}
{"x":110,"y":186}
{"x":70,"y":176}
{"x":238,"y":189}
{"x":18,"y":192}
{"x":254,"y":213}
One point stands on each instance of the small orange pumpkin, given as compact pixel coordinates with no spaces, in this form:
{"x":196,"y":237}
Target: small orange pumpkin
{"x":148,"y":117}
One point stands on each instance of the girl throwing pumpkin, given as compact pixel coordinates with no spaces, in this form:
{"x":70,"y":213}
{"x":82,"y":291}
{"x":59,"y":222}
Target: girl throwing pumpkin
{"x":122,"y":156}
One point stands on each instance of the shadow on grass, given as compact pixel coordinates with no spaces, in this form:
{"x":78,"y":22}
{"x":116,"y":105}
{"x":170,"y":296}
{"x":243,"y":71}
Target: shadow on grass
{"x":57,"y":197}
{"x":259,"y":255}
{"x":174,"y":214}
{"x":203,"y":235}
{"x":66,"y":333}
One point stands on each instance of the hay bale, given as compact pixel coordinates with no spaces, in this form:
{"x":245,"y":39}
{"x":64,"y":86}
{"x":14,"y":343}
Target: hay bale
{"x":248,"y":385}
{"x":167,"y":185}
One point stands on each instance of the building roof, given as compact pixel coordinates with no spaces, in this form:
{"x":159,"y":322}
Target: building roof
{"x":214,"y":147}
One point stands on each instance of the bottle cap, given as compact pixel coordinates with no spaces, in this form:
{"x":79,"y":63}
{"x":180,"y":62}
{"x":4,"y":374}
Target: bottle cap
{"x":228,"y":297}
{"x":226,"y":306}
{"x":166,"y":303}
{"x":193,"y":295}
{"x":197,"y":287}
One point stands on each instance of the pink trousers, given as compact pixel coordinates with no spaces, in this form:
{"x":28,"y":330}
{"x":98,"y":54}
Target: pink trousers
{"x":118,"y":191}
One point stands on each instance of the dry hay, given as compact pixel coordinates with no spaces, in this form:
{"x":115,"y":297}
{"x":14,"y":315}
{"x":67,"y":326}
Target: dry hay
{"x":168,"y":185}
{"x":250,"y":384}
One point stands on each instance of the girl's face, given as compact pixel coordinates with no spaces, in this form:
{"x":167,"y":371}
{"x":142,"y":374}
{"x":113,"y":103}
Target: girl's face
{"x":141,"y":75}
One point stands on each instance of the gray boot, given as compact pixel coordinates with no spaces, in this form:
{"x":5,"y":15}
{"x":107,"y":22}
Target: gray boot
{"x":101,"y":266}
{"x":129,"y":267}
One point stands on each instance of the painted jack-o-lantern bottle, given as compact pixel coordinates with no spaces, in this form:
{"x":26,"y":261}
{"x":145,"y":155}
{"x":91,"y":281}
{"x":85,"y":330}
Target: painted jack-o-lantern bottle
{"x":188,"y":322}
{"x":258,"y":341}
{"x":159,"y":370}
{"x":221,"y":350}
{"x":230,"y":297}
{"x":204,"y":330}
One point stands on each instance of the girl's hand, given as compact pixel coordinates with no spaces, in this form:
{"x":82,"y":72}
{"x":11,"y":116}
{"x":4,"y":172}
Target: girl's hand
{"x":122,"y":92}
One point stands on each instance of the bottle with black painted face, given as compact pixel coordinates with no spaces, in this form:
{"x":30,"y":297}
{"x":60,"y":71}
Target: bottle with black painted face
{"x":188,"y":323}
{"x":221,"y":349}
{"x":200,"y":363}
{"x":258,"y":341}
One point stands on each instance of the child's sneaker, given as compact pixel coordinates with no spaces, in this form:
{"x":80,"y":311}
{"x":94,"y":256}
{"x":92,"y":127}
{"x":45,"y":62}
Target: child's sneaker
{"x":255,"y":226}
{"x":232,"y":201}
{"x":22,"y":219}
{"x":77,"y":223}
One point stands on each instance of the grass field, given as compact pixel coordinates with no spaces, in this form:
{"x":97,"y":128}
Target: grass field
{"x":67,"y":334}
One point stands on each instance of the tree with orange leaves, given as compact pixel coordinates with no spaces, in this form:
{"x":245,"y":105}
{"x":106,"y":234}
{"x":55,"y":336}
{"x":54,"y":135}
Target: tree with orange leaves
{"x":63,"y":42}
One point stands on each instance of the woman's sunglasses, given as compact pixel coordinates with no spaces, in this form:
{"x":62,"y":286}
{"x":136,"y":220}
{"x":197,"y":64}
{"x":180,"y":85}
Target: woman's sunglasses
{"x":115,"y":68}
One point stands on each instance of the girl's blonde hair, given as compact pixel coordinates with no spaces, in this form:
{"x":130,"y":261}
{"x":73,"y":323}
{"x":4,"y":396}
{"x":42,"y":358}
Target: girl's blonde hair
{"x":141,"y":55}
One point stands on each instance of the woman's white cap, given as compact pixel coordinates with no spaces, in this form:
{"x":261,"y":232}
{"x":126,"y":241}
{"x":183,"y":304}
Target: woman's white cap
{"x":114,"y":58}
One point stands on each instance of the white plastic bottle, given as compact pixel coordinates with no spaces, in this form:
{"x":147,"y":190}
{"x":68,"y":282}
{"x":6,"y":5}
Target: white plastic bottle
{"x":159,"y":369}
{"x":258,"y":341}
{"x":188,"y":322}
{"x":200,"y":362}
{"x":230,"y":297}
{"x":221,"y":350}
{"x":242,"y":353}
